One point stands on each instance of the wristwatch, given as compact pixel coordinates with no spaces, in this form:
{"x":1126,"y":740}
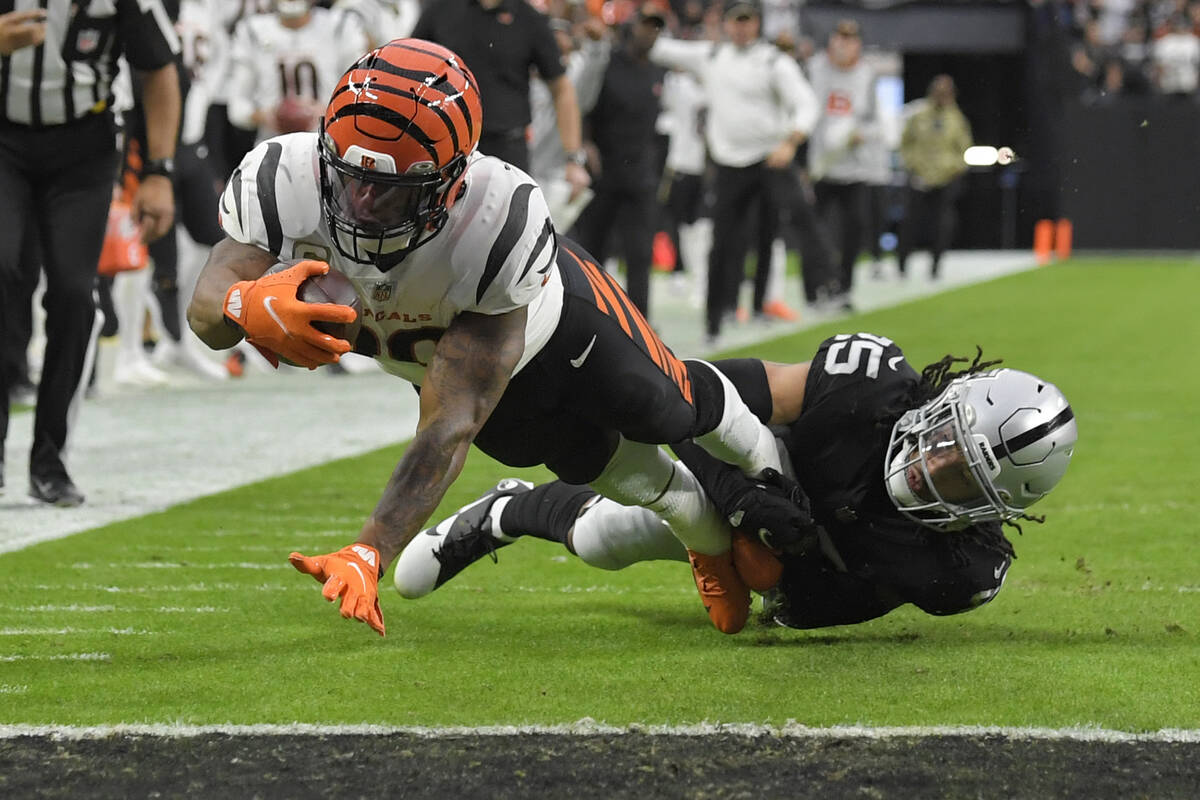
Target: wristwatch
{"x":159,"y":166}
{"x":577,"y":157}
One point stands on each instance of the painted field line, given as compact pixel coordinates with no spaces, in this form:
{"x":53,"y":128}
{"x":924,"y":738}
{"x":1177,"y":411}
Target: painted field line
{"x":588,"y":727}
{"x":57,"y":657}
{"x":280,"y":565}
{"x":65,"y":631}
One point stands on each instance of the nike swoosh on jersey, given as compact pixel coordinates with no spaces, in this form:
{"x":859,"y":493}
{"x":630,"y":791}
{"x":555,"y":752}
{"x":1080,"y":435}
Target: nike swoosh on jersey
{"x":998,"y":571}
{"x":267,"y":301}
{"x":578,"y":362}
{"x":893,"y":361}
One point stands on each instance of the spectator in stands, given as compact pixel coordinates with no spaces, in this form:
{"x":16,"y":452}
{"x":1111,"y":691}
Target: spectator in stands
{"x":932,"y":147}
{"x":622,"y":125}
{"x":837,"y":156}
{"x":1088,"y":56}
{"x":1176,"y":59}
{"x":502,"y":40}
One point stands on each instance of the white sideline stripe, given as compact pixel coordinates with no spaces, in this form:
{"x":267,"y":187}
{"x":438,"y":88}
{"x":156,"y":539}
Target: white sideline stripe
{"x":176,"y":565}
{"x":77,"y":609}
{"x":64,"y":631}
{"x":58,"y":657}
{"x":589,"y":727}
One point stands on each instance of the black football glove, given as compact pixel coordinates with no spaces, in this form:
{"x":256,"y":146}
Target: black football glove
{"x":774,"y":508}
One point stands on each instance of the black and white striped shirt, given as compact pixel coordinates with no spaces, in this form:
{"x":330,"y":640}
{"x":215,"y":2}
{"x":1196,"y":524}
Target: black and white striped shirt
{"x":70,"y":74}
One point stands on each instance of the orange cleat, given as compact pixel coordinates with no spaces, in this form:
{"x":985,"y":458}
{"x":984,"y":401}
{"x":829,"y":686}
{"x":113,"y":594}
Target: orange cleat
{"x":724,"y":594}
{"x":756,"y":565}
{"x":780,"y":310}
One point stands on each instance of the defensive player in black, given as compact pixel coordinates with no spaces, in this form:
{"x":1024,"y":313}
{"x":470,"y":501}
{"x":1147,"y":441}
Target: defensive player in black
{"x":902,"y":484}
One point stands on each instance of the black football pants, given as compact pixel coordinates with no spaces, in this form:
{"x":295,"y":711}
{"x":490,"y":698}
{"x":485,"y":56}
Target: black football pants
{"x":59,"y":179}
{"x":625,"y":217}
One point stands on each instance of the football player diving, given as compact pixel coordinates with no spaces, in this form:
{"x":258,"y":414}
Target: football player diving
{"x":902,"y":482}
{"x":517,"y":341}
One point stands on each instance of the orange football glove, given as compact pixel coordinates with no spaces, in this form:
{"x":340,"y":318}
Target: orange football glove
{"x":278,"y":323}
{"x":351,"y":573}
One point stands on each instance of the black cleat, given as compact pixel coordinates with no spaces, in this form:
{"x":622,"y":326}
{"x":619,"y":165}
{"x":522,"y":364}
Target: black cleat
{"x":437,"y":554}
{"x":57,"y":490}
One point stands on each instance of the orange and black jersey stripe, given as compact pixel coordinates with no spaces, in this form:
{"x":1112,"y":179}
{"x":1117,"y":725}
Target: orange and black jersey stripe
{"x":610,"y":298}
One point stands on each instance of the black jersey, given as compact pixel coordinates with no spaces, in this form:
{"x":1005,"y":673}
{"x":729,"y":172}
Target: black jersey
{"x":857,"y":387}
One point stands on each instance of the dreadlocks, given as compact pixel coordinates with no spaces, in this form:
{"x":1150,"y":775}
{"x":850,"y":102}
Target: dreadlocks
{"x":938,"y":375}
{"x":935,"y":378}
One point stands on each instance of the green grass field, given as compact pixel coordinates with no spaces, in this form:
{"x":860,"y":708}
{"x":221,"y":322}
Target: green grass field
{"x":193,"y":615}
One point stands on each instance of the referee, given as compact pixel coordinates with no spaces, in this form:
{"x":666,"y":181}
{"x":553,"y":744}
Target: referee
{"x":58,"y":162}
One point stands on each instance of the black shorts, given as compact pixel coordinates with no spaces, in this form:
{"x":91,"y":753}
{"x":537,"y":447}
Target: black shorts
{"x":604,"y":372}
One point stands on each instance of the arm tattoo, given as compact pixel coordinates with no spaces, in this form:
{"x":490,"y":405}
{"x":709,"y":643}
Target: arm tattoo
{"x":464,"y":382}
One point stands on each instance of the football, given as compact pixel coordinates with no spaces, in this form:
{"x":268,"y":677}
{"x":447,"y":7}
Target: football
{"x":294,"y":116}
{"x":334,"y":287}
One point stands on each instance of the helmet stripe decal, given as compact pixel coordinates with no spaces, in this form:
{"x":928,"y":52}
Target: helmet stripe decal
{"x":1033,"y":434}
{"x":421,"y":77}
{"x":403,"y":124}
{"x":459,"y":68}
{"x":510,"y":234}
{"x":433,"y":106}
{"x":265,"y":184}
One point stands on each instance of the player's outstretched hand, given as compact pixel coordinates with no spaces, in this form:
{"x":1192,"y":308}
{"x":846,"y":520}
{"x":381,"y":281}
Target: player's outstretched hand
{"x":274,"y":319}
{"x":352,"y":574}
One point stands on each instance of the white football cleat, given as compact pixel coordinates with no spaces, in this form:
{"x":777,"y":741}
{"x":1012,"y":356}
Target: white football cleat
{"x":437,"y":554}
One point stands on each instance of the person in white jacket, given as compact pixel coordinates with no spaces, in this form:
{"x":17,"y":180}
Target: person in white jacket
{"x":839,"y":159}
{"x":760,"y":109}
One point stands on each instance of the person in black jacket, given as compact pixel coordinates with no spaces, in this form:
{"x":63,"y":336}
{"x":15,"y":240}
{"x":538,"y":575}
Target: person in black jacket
{"x":622,"y":126}
{"x":901,"y":484}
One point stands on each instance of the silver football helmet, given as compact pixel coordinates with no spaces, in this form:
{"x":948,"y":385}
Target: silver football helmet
{"x":986,"y":448}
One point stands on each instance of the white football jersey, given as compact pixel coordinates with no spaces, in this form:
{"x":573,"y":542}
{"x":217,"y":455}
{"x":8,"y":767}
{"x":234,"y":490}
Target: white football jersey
{"x":204,"y":45}
{"x":496,"y":253}
{"x":271,"y":61}
{"x":383,"y":20}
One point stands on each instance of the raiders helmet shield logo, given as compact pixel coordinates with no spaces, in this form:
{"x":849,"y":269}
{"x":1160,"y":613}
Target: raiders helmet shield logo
{"x":382,"y":292}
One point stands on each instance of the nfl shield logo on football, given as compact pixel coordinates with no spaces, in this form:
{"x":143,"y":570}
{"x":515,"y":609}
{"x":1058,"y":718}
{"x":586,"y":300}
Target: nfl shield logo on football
{"x":381,"y":292}
{"x":87,"y":40}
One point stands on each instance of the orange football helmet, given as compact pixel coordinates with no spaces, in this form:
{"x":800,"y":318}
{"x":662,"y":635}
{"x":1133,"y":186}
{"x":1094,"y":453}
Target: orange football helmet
{"x":394,"y":145}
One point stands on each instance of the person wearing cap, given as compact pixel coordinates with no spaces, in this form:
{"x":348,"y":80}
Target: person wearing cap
{"x":761,"y":108}
{"x":839,"y":158}
{"x":622,"y":126}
